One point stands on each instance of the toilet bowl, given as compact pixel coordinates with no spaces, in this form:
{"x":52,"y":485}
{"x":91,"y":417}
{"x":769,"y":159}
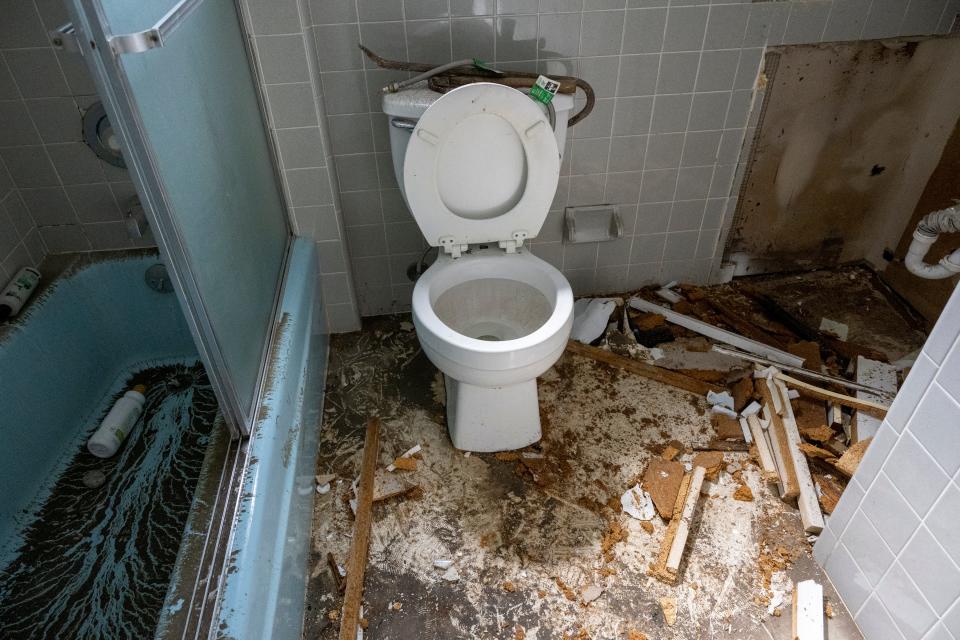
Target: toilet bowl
{"x":478,"y":168}
{"x":492,"y":322}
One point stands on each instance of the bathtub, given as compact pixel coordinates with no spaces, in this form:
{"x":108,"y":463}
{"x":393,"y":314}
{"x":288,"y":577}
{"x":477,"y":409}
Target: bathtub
{"x":63,"y":355}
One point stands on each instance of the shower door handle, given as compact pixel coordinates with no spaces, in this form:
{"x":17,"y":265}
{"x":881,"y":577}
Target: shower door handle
{"x":156,"y":35}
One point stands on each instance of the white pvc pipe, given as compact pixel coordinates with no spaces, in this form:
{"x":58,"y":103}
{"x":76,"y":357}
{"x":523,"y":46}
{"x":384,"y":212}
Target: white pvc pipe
{"x":926,"y":233}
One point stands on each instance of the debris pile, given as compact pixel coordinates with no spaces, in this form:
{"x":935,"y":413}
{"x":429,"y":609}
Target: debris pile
{"x":803,"y":400}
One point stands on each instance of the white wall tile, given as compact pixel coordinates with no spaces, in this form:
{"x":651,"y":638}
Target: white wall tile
{"x":905,"y":604}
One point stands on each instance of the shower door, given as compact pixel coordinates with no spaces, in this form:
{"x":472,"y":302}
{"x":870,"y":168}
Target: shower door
{"x":176,"y":81}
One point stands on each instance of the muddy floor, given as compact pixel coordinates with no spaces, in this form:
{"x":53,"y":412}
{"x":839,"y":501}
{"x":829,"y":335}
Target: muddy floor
{"x":527,"y":536}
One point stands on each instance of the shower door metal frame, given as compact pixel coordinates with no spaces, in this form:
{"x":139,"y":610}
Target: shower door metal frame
{"x":103,"y":61}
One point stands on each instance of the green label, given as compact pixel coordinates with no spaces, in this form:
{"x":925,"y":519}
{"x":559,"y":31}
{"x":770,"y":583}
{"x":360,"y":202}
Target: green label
{"x":544,"y":89}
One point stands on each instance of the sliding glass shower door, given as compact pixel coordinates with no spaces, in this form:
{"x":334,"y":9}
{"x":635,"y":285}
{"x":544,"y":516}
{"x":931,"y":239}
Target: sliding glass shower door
{"x":177,"y":84}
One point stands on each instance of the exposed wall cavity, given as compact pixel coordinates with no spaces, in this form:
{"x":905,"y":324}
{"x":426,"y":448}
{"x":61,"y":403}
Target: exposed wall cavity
{"x":849,"y":136}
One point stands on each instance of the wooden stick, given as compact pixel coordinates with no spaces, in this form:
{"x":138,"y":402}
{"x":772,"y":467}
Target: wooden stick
{"x":658,"y":374}
{"x":722,"y":445}
{"x":686,"y":517}
{"x":781,"y":450}
{"x":335,"y":571}
{"x":808,"y":501}
{"x":767,"y":465}
{"x":357,"y":561}
{"x":871,"y":407}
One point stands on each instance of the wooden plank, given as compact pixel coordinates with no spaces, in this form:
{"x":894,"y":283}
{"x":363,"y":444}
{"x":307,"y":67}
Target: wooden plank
{"x":781,"y":449}
{"x":643,"y":369}
{"x":879,"y":375}
{"x":721,"y":335}
{"x":808,"y":501}
{"x":807,"y":611}
{"x":359,"y":546}
{"x":870,"y":406}
{"x":767,"y":464}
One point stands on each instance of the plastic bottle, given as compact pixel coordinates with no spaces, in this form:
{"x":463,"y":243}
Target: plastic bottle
{"x":118,"y":423}
{"x":17,"y":291}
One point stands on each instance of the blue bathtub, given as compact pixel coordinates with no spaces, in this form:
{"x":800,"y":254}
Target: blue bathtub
{"x":67,"y":353}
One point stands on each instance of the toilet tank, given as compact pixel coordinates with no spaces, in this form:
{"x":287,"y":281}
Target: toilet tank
{"x":405,"y":107}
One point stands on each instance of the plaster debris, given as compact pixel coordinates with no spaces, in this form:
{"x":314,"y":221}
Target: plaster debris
{"x":406,"y":454}
{"x":591,"y":593}
{"x":669,"y":608}
{"x":723,"y":399}
{"x":637,"y":503}
{"x":590,"y":318}
{"x":323,"y":488}
{"x":836,"y":329}
{"x":406,"y":326}
{"x":451,"y":574}
{"x":443,"y":564}
{"x":751,"y":409}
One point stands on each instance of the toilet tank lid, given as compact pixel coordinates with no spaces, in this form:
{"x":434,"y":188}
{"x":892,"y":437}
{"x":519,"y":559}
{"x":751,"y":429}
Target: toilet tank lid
{"x":409,"y":103}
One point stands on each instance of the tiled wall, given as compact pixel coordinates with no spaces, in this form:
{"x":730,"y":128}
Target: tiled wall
{"x":63,"y":198}
{"x":283,"y":45}
{"x":892,"y":546}
{"x":675,"y":86}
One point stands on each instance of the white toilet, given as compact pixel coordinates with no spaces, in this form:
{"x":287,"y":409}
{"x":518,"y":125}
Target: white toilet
{"x":478,"y":167}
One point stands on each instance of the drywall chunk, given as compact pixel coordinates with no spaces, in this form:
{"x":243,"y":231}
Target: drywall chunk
{"x":669,"y":608}
{"x":808,"y":611}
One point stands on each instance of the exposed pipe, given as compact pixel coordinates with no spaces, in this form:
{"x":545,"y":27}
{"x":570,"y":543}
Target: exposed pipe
{"x":394,"y":87}
{"x":928,"y":229}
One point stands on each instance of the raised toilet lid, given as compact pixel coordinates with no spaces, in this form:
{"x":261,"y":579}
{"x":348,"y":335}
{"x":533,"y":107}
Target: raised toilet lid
{"x":482,"y":165}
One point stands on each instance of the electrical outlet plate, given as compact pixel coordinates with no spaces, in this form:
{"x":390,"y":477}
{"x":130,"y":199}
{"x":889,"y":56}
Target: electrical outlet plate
{"x":598,"y":223}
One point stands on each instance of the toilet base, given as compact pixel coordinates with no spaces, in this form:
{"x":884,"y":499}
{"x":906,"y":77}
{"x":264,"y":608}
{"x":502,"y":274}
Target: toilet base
{"x":484,"y":419}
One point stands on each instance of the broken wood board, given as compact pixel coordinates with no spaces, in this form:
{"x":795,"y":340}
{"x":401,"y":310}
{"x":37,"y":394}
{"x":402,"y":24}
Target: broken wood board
{"x":643,"y":369}
{"x":768,"y":467}
{"x":662,"y":480}
{"x":807,"y":620}
{"x":875,"y":374}
{"x":870,"y":406}
{"x":849,"y":134}
{"x":667,"y":566}
{"x":721,"y":335}
{"x":779,"y":443}
{"x":726,"y":428}
{"x":830,"y":491}
{"x":359,"y":546}
{"x":808,"y":502}
{"x":851,"y":458}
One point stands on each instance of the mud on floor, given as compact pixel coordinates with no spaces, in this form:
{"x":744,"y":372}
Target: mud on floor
{"x":527,"y":536}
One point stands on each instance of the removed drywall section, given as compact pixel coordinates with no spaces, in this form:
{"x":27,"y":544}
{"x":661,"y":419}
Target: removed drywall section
{"x":848,"y":137}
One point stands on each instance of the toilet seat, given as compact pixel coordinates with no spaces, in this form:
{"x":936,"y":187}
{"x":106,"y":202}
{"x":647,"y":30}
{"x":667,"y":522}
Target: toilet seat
{"x":482,"y":165}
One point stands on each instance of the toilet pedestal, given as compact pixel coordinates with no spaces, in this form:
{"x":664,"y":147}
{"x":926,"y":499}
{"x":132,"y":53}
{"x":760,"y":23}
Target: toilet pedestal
{"x":485,"y":419}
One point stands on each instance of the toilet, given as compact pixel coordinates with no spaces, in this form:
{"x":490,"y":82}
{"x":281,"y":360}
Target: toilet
{"x":478,"y":167}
